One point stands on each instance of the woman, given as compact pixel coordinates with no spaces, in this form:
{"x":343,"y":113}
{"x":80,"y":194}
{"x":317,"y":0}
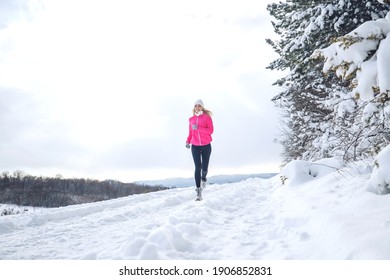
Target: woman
{"x":199,"y":139}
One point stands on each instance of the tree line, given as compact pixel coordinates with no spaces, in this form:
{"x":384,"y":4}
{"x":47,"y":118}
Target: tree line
{"x":329,"y":104}
{"x":37,"y":191}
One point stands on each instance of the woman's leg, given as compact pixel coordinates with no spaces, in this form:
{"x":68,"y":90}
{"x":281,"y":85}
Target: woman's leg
{"x":206,"y":152}
{"x":196,"y":155}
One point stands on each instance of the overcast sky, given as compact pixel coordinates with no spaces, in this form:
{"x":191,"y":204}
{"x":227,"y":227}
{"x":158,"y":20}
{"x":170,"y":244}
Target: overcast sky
{"x":104,"y":89}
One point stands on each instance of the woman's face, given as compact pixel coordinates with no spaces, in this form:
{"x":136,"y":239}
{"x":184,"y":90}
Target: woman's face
{"x":198,"y":108}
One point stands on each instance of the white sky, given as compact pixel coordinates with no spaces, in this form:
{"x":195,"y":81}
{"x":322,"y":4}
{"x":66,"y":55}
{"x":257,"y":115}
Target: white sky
{"x":104,"y":89}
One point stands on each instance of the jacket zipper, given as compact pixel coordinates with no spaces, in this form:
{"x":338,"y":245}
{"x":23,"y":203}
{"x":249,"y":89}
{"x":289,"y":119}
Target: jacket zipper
{"x":197,"y":128}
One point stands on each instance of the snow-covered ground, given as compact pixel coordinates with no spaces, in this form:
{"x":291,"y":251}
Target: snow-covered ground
{"x":333,"y":215}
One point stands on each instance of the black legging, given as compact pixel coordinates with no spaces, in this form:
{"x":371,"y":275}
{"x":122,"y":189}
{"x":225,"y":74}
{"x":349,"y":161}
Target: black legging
{"x":201,"y":156}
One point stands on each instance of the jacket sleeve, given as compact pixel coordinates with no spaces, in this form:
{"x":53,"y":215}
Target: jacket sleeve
{"x":189,"y":137}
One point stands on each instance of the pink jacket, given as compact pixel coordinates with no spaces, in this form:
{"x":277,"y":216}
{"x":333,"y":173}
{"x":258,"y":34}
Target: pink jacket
{"x":202,"y":135}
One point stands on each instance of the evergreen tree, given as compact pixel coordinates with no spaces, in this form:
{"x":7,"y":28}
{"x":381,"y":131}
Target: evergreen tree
{"x":311,"y":102}
{"x":361,"y":59}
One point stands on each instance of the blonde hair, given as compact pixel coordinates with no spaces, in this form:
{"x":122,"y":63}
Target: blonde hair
{"x":205,"y":111}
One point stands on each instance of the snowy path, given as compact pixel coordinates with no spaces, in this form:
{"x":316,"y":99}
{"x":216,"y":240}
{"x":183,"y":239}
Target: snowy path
{"x":167,"y":224}
{"x":330,"y":218}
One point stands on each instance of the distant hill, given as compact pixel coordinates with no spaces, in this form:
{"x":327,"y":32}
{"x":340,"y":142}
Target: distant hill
{"x":26,"y":190}
{"x":219,"y":179}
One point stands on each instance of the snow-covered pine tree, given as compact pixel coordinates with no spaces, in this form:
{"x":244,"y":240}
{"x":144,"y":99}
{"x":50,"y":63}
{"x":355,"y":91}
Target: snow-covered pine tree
{"x":312,"y":104}
{"x":361,"y":58}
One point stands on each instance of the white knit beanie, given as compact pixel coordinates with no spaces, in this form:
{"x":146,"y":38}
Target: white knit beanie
{"x":199,"y":102}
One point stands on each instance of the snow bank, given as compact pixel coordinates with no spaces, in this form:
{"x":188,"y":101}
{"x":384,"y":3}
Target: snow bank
{"x":298,"y":171}
{"x":380,"y":177}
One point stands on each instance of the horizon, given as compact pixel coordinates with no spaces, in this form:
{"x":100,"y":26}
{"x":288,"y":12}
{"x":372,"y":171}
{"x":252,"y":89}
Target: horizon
{"x":188,"y":177}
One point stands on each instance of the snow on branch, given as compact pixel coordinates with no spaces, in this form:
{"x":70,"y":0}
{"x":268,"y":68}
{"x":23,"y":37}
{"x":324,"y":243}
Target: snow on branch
{"x":361,"y":56}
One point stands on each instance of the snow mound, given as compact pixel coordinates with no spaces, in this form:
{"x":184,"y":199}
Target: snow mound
{"x":300,"y":171}
{"x":380,"y":177}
